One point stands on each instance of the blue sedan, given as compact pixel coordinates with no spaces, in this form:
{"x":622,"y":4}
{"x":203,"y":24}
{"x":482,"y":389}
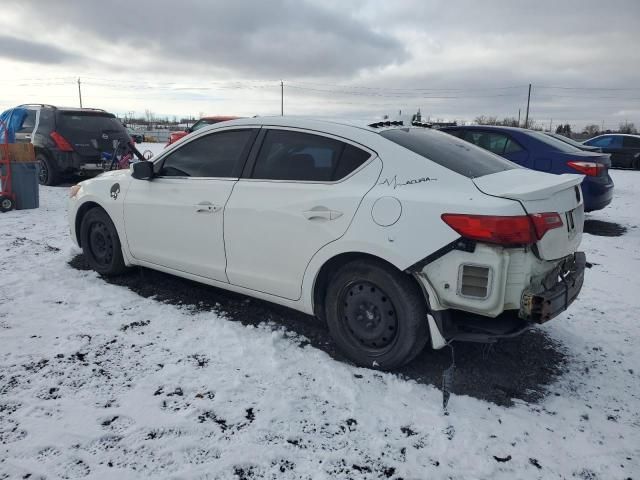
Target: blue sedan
{"x":541,"y":152}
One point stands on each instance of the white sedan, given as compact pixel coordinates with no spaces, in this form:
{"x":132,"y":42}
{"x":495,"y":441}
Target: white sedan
{"x":395,"y":235}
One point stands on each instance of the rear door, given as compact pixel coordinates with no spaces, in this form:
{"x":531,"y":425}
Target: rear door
{"x":302,"y":193}
{"x":176,"y":219}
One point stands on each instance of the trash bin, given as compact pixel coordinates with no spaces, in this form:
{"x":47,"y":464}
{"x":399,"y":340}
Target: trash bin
{"x":24,"y":184}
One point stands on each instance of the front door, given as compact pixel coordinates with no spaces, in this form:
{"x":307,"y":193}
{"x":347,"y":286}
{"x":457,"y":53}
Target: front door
{"x":303,"y":193}
{"x":175,"y":220}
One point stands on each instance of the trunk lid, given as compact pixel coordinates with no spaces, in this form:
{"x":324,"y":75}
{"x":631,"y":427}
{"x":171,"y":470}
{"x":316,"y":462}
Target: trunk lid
{"x":90,"y":132}
{"x":540,"y":192}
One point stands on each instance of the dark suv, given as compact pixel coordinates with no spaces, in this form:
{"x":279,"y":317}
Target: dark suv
{"x":69,"y":140}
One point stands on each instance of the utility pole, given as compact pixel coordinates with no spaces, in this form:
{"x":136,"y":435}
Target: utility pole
{"x":281,"y":98}
{"x":79,"y":92}
{"x":602,"y":129}
{"x":550,"y":123}
{"x":526,"y":117}
{"x":518,"y":117}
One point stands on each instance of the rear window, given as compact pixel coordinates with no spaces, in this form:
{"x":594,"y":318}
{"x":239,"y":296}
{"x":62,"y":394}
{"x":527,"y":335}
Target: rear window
{"x":450,"y":152}
{"x":556,"y":144}
{"x":89,"y":122}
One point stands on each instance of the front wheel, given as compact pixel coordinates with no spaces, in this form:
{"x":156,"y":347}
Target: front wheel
{"x":376,"y":315}
{"x":101,"y":244}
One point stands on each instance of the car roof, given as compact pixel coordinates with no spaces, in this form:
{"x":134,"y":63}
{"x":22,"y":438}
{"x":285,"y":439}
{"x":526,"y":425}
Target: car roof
{"x":318,"y":123}
{"x":488,"y":127}
{"x":219,"y":118}
{"x":616,"y":135}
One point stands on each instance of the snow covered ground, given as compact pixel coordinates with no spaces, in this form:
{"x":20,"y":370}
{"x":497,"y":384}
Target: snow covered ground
{"x":97,"y":381}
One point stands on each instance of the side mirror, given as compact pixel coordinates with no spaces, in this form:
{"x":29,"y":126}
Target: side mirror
{"x":142,"y":170}
{"x":188,"y":130}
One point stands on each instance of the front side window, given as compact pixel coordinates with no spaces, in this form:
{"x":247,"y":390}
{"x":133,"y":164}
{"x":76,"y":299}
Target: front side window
{"x":215,"y":155}
{"x":298,"y":156}
{"x":631,"y":142}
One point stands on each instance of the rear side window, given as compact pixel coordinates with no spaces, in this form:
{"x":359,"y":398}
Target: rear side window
{"x":297,"y":156}
{"x":450,"y":152}
{"x":29,"y":121}
{"x":215,"y":155}
{"x":494,"y":142}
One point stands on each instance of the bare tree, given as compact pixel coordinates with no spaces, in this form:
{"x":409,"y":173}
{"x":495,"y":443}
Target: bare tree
{"x":627,"y":127}
{"x":591,"y":130}
{"x":486,"y":120}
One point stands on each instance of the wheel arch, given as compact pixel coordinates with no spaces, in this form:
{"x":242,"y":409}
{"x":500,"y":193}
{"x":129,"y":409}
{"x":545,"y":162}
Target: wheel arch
{"x":331,"y":265}
{"x":80,"y":214}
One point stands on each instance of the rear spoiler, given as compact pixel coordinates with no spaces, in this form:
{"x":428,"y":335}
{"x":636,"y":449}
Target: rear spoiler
{"x":523,"y":184}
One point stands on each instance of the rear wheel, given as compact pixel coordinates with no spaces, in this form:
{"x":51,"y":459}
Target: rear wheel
{"x":6,"y":204}
{"x":48,"y":173}
{"x":101,"y":244}
{"x":376,"y":315}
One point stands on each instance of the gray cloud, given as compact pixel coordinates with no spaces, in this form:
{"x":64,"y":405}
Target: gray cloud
{"x":277,"y":38}
{"x":28,"y":51}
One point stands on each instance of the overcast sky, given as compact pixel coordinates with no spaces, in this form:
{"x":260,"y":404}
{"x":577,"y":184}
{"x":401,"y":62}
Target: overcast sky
{"x":453,"y":60}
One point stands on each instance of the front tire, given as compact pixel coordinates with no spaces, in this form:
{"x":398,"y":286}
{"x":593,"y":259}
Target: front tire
{"x":48,"y":174}
{"x":376,"y":315}
{"x":101,"y":244}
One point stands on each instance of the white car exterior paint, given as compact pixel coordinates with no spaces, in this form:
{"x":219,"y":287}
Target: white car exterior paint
{"x":270,"y":239}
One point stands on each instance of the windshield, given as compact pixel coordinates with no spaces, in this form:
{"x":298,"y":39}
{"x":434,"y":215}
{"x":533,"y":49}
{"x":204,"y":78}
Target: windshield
{"x":202,"y":123}
{"x":450,"y":152}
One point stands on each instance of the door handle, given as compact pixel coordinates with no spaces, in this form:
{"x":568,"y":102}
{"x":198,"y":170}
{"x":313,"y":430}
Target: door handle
{"x":207,"y":207}
{"x":321,"y":213}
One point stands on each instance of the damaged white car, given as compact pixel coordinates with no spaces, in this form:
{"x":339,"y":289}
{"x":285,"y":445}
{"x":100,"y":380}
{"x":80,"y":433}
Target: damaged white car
{"x":395,"y":235}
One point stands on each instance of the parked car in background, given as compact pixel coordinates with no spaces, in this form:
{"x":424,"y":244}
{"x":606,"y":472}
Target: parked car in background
{"x":623,"y":148}
{"x":69,"y":140}
{"x":538,"y":151}
{"x":203,"y":122}
{"x":395,"y":235}
{"x":572,"y":142}
{"x":136,"y":136}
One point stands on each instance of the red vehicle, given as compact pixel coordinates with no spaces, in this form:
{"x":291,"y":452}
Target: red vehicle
{"x":203,"y":122}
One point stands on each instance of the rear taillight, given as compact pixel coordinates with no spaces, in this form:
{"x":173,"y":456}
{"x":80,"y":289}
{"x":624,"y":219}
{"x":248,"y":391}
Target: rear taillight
{"x":508,"y":231}
{"x":61,"y":142}
{"x":543,"y":222}
{"x":591,"y":169}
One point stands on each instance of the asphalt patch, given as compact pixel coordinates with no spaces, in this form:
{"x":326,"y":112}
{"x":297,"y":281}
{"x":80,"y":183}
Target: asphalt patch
{"x":603,"y":228}
{"x":521,"y":368}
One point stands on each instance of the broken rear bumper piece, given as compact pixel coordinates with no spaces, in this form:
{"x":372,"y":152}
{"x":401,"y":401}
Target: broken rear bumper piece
{"x":526,"y":300}
{"x":540,"y":307}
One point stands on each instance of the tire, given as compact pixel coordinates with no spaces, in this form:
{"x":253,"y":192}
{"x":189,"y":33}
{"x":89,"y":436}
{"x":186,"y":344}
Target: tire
{"x":376,"y":315}
{"x":101,"y":244}
{"x":6,"y":204}
{"x":48,"y":174}
{"x":636,"y":163}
